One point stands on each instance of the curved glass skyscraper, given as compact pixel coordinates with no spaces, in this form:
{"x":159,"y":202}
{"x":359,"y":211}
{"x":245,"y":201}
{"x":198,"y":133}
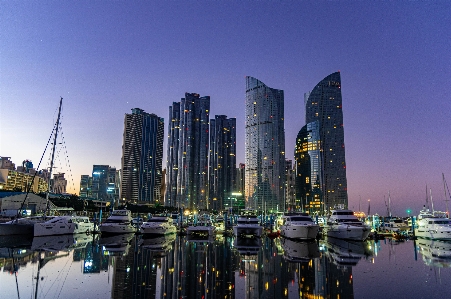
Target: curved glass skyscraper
{"x":265,"y":146}
{"x":324,"y":105}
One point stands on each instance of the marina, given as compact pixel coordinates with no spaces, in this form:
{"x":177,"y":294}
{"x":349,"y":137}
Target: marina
{"x":173,"y":266}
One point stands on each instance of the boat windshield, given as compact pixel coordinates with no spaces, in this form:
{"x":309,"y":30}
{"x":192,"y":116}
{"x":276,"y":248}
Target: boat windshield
{"x":440,"y":222}
{"x":114,"y":221}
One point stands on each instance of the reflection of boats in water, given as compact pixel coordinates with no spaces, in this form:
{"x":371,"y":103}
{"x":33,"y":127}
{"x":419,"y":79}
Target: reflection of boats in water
{"x":345,"y":252}
{"x":158,"y":245}
{"x":60,"y":242}
{"x":435,"y":253}
{"x":247,"y":246}
{"x":200,"y":238}
{"x":299,"y":251}
{"x":117,"y":244}
{"x":19,"y":241}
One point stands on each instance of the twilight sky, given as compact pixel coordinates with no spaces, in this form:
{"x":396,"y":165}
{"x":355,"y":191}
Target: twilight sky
{"x":107,"y":57}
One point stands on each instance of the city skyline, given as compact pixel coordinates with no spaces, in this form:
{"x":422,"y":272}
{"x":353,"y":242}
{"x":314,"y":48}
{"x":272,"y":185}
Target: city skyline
{"x":107,"y":58}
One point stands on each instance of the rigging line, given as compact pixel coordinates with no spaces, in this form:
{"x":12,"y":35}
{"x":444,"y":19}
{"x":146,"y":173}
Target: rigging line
{"x":29,"y":186}
{"x":59,"y":274}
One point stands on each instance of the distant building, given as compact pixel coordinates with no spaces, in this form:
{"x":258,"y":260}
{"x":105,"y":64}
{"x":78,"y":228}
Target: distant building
{"x":265,"y":146}
{"x":6,"y":163}
{"x":240,"y":178}
{"x":222,"y":160}
{"x":324,"y":104}
{"x":85,"y":186}
{"x":58,"y":184}
{"x":142,"y":154}
{"x":13,"y":180}
{"x":187,"y":164}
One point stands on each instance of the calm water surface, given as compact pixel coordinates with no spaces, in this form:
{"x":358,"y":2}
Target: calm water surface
{"x":129,"y":266}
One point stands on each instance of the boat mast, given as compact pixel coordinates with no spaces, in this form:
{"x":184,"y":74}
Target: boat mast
{"x":432,"y":203}
{"x":389,"y":207}
{"x":445,"y":185}
{"x":53,"y":155}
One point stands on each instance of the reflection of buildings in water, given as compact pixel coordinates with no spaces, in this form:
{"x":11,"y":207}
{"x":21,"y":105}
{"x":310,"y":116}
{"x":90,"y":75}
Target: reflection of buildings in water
{"x":434,"y":252}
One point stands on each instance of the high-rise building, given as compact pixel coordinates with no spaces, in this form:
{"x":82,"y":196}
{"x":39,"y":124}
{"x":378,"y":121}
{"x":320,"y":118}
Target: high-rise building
{"x":100,"y":182}
{"x":324,"y":104}
{"x":188,"y":168}
{"x":58,"y":184}
{"x":172,"y":157}
{"x":290,"y":185}
{"x":142,"y":154}
{"x":222,"y":160}
{"x":308,"y":169}
{"x":265,"y":146}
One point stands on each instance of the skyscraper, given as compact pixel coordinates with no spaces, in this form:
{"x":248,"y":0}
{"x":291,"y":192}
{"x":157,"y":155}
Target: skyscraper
{"x":188,"y":167}
{"x":172,"y":157}
{"x":222,"y":160}
{"x":142,"y":154}
{"x":265,"y":146}
{"x":324,"y":104}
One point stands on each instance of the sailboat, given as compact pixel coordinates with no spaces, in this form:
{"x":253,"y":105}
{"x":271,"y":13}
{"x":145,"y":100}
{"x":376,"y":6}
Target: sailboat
{"x":25,"y":226}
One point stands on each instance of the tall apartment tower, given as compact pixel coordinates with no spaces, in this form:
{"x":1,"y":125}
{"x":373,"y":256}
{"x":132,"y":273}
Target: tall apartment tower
{"x":265,"y":146}
{"x":187,"y":165}
{"x":142,"y":154}
{"x":222,"y":160}
{"x":240,"y":178}
{"x":324,"y":104}
{"x":172,"y":162}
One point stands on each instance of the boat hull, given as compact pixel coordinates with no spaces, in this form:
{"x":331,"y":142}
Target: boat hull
{"x":347,"y":232}
{"x":302,"y":232}
{"x":53,"y":229}
{"x":116,"y":228}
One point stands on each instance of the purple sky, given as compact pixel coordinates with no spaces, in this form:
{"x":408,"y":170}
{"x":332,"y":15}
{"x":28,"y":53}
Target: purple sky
{"x":106,"y":57}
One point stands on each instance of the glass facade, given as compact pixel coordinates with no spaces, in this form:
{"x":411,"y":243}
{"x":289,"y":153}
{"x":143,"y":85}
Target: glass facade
{"x":324,"y":105}
{"x":308,"y":169}
{"x":142,"y":154}
{"x":265,"y":147}
{"x":222,"y":160}
{"x":188,"y":168}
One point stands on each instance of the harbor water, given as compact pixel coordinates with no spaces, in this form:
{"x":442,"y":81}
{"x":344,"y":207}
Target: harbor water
{"x":129,"y":266}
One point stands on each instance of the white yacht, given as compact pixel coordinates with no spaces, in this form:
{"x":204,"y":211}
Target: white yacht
{"x":435,"y":252}
{"x":247,"y":225}
{"x":299,"y":251}
{"x":430,"y":226}
{"x":158,"y":225}
{"x":298,"y":226}
{"x":343,"y":224}
{"x":120,"y":222}
{"x":203,"y":227}
{"x":63,"y":225}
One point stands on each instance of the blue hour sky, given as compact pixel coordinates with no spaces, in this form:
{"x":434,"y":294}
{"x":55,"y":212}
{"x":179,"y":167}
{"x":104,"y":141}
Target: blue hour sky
{"x":107,"y":57}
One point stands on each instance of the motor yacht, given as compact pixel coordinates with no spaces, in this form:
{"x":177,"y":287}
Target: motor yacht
{"x":343,"y":224}
{"x":63,"y":225}
{"x":203,"y":227}
{"x":298,"y":226}
{"x":430,"y":226}
{"x":248,"y":225}
{"x":158,"y":225}
{"x":21,"y":226}
{"x":120,"y":222}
